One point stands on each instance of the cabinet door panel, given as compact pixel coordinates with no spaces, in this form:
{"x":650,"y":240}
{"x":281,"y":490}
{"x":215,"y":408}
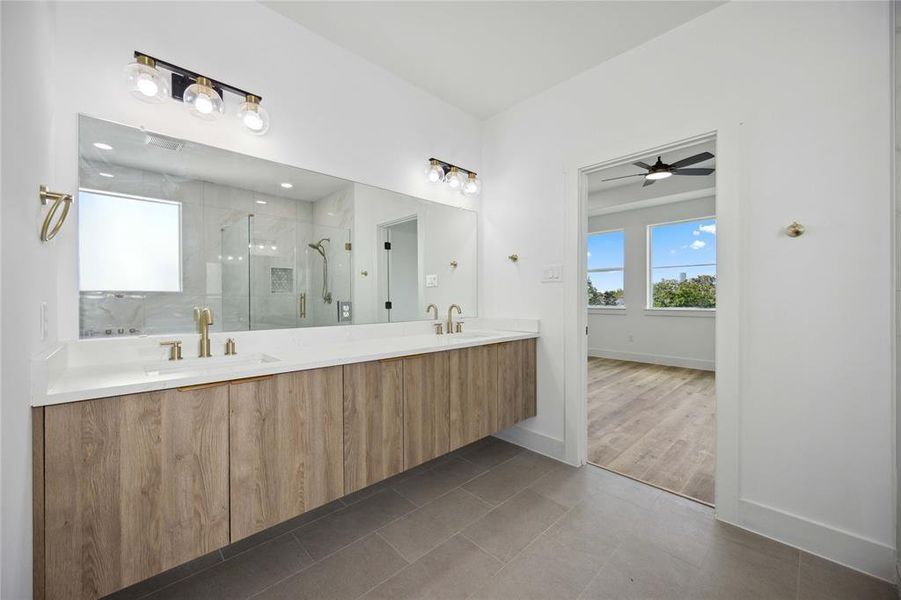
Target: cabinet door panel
{"x":473,"y":394}
{"x":516,"y":382}
{"x":373,"y":422}
{"x":134,"y":485}
{"x":285,"y":447}
{"x":426,"y":408}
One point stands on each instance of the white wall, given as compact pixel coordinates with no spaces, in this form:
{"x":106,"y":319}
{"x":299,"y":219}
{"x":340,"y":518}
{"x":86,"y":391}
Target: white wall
{"x":331,"y":112}
{"x":805,"y":400}
{"x":683,"y":339}
{"x":28,"y":267}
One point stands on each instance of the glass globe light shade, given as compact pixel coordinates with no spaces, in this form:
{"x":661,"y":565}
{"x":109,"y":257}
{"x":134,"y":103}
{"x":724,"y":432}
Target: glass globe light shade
{"x":254,"y":117}
{"x":435,"y":172}
{"x":455,"y":178}
{"x":144,"y":81}
{"x":203,"y":101}
{"x":472,"y":187}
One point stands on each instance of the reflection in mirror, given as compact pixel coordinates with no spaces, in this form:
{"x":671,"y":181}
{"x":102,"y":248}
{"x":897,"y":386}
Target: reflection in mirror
{"x":165,"y":225}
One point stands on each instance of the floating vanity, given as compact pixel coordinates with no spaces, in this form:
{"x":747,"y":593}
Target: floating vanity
{"x":142,"y":463}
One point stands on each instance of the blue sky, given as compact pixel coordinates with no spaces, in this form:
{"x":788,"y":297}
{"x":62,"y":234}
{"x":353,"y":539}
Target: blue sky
{"x":672,"y":245}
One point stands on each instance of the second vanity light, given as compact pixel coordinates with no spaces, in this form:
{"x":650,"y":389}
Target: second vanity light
{"x":201,"y":95}
{"x":456,"y":178}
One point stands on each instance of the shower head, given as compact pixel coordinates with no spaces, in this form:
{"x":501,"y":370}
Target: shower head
{"x":318,"y":246}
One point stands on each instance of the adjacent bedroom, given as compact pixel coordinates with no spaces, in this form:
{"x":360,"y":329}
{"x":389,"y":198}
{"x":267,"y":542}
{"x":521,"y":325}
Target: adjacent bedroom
{"x":651,"y":245}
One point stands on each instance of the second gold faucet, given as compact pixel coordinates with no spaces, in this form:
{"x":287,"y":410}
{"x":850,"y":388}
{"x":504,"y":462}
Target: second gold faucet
{"x":450,"y":318}
{"x":204,"y":318}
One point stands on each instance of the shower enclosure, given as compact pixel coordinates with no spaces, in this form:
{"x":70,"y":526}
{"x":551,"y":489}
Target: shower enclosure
{"x":281,"y":273}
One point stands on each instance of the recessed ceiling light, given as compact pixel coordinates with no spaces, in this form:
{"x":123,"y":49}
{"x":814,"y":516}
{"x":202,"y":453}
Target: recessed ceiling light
{"x":287,"y":185}
{"x":102,"y":146}
{"x":106,"y":174}
{"x":261,"y":202}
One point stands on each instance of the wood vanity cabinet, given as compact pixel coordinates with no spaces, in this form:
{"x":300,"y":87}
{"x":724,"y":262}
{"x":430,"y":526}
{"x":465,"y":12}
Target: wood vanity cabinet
{"x":373,"y":422}
{"x":473,"y":394}
{"x":128,"y":487}
{"x":133,"y":485}
{"x":426,"y":408}
{"x":286,"y":447}
{"x":516,"y":382}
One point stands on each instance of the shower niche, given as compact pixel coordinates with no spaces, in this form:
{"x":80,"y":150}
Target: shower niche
{"x":166,"y":225}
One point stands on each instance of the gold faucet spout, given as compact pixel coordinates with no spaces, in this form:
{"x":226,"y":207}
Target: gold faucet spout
{"x":432,"y":307}
{"x":450,"y":316}
{"x":204,"y":317}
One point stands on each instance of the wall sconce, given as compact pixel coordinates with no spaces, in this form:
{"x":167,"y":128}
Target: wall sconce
{"x":202,"y":95}
{"x":457,"y":178}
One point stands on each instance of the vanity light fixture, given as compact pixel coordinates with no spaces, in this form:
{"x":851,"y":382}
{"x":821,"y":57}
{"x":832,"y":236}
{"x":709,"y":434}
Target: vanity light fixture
{"x":145,"y":82}
{"x":203,"y":100}
{"x":202,"y":95}
{"x":457,"y":178}
{"x":254,"y":117}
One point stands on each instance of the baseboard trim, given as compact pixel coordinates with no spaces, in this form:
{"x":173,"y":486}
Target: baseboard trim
{"x":855,"y":552}
{"x":655,"y":359}
{"x":536,"y":442}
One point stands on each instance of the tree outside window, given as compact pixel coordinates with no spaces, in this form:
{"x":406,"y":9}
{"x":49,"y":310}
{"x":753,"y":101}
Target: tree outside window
{"x":682,"y":264}
{"x":605,"y":268}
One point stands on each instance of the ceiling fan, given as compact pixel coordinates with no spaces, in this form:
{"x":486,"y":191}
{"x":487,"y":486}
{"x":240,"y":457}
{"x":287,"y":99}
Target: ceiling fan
{"x":661,"y":170}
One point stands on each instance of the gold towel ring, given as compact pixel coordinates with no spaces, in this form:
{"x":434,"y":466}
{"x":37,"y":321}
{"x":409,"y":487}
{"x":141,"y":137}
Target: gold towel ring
{"x":48,"y":233}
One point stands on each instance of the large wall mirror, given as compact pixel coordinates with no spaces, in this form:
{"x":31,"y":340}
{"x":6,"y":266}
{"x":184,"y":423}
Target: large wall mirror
{"x":166,"y":225}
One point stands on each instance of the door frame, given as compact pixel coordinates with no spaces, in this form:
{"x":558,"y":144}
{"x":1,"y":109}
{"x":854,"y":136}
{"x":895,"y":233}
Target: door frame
{"x":728,"y":210}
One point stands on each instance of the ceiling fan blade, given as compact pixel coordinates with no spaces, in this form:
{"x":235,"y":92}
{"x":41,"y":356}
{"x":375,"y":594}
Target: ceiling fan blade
{"x":642,"y":165}
{"x":625,"y":176}
{"x":693,"y":171}
{"x":692,"y":160}
{"x":647,"y":182}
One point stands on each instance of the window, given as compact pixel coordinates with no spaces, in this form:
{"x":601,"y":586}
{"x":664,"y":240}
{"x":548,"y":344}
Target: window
{"x":682,"y":265}
{"x":128,"y":243}
{"x":605,"y":269}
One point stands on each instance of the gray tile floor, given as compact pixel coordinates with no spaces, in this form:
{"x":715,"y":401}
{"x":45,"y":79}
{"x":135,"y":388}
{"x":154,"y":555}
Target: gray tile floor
{"x":494,"y":521}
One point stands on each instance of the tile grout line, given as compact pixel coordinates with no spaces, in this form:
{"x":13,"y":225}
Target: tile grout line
{"x":798,"y":579}
{"x":504,"y":565}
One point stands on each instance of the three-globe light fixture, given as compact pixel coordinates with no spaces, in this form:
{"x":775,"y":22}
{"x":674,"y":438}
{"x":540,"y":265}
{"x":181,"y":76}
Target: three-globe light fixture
{"x":457,"y":178}
{"x":201,"y":95}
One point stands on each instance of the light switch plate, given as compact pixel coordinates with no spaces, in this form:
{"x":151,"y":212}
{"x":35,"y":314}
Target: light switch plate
{"x":431,"y":281}
{"x":552,"y":274}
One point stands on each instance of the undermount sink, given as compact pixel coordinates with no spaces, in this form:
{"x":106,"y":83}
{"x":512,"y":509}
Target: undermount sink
{"x":215,"y":363}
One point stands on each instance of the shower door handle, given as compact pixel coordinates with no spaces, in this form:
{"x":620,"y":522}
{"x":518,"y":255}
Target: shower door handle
{"x":303,"y":306}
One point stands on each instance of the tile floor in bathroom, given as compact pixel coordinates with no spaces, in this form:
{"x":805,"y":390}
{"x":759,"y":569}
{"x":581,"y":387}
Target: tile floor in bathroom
{"x":495,"y":521}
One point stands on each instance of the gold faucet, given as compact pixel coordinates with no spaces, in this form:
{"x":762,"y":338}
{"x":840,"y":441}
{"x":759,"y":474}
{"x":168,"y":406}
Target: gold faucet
{"x":438,"y":326}
{"x":450,"y":317}
{"x":204,"y":318}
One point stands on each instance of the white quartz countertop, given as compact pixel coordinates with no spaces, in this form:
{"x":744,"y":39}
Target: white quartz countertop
{"x":65,"y":382}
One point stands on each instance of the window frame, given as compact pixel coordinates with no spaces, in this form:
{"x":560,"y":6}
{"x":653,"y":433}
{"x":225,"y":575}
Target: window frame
{"x":589,"y":271}
{"x":688,"y":311}
{"x":181,"y":241}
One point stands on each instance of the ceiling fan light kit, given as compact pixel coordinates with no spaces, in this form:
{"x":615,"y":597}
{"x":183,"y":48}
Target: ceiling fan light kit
{"x":661,"y":170}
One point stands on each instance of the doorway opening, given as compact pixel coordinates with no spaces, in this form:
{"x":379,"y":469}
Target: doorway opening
{"x":651,"y":313}
{"x":398,"y":280}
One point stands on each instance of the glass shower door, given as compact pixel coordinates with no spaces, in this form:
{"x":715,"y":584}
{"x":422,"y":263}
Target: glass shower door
{"x":234,"y":263}
{"x":274,"y":281}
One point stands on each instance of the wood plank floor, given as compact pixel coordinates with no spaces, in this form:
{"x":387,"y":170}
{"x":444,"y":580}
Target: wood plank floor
{"x":653,"y":423}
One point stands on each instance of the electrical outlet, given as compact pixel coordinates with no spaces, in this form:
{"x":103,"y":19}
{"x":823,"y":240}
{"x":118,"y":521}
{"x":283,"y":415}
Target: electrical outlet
{"x":431,"y":281}
{"x":552,"y":274}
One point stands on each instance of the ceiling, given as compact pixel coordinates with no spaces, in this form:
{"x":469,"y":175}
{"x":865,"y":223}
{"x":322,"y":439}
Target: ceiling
{"x":484,"y":57}
{"x":200,"y":162}
{"x":606,"y":194}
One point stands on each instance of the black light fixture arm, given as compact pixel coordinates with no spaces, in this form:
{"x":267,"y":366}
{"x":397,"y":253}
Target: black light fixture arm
{"x":192,"y":76}
{"x":447,"y":166}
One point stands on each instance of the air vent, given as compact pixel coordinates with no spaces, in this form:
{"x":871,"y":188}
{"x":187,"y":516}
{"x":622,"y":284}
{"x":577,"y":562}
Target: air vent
{"x":164,"y":142}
